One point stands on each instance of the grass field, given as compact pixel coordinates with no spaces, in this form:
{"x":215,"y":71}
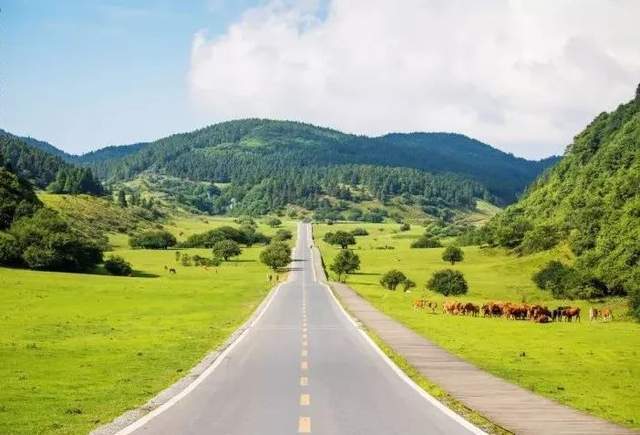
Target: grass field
{"x":594,"y":367}
{"x":77,"y":350}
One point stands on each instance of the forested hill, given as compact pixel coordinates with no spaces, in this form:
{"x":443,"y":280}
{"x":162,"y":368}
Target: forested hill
{"x":592,"y":199}
{"x":248,"y":151}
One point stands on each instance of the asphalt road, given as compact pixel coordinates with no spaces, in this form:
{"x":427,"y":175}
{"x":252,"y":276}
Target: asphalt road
{"x":303,"y":367}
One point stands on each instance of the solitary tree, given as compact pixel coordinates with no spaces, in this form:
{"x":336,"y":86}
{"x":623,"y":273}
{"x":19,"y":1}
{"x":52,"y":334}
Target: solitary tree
{"x":452,"y":254}
{"x":448,"y":282}
{"x":392,"y":279}
{"x":226,"y":249}
{"x":277,"y":255}
{"x":345,"y":262}
{"x":341,"y":238}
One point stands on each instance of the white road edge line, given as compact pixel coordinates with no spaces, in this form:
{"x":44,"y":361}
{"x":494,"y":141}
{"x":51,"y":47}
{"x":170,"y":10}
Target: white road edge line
{"x":435,"y":402}
{"x":192,"y":386}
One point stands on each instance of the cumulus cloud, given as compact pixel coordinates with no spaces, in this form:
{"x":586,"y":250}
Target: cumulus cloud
{"x":522,"y":75}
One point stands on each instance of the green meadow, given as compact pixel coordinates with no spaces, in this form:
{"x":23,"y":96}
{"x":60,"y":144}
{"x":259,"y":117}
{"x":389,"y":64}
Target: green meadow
{"x":592,"y":366}
{"x":77,"y":350}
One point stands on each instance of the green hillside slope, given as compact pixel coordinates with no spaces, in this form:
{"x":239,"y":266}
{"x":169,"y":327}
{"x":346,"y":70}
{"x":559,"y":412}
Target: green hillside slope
{"x":591,"y":199}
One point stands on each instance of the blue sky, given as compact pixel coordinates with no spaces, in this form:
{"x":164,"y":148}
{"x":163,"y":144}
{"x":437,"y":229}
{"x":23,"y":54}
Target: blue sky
{"x":524,"y":76}
{"x":84,"y":74}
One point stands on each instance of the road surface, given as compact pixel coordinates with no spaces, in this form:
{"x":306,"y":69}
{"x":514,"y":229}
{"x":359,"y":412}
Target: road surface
{"x":303,"y":368}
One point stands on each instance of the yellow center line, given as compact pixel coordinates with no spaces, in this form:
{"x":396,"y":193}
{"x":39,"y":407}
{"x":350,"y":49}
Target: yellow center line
{"x":304,"y":365}
{"x":305,"y":400}
{"x":305,"y":352}
{"x":304,"y":381}
{"x":304,"y":425}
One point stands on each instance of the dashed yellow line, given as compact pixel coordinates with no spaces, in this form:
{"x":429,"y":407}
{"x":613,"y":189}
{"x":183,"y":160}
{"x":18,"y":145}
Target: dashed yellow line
{"x":305,"y":400}
{"x":304,"y":365}
{"x":304,"y":381}
{"x":304,"y":425}
{"x":305,"y":353}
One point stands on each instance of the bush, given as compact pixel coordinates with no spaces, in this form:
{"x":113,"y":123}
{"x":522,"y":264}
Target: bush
{"x":556,"y":278}
{"x":116,"y":265}
{"x":448,"y":282}
{"x":9,"y":252}
{"x":357,"y":232}
{"x":452,"y":254}
{"x":407,"y":284}
{"x":155,"y":239}
{"x":226,"y":249}
{"x":634,"y":299}
{"x":426,"y":242}
{"x":277,"y":255}
{"x":405,"y":227}
{"x":392,"y":279}
{"x":47,"y":242}
{"x":282,"y":235}
{"x":274,"y":222}
{"x":345,"y":262}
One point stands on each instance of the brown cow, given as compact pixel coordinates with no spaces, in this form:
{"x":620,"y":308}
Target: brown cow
{"x":593,"y":314}
{"x":421,"y":304}
{"x":451,"y":307}
{"x":571,"y":313}
{"x":607,"y":314}
{"x":470,"y":308}
{"x":543,"y":319}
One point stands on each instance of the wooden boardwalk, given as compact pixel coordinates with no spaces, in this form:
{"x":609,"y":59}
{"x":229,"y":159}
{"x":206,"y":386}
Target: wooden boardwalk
{"x":509,"y":406}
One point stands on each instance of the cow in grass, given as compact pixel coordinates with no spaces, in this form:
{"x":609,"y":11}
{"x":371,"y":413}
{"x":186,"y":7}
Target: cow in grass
{"x":422,"y":304}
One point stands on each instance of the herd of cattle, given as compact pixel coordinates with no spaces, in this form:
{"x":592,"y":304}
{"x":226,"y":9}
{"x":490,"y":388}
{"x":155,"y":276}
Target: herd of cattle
{"x":513,"y":311}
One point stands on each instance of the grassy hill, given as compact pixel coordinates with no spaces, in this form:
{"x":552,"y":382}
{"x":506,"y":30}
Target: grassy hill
{"x":592,"y":200}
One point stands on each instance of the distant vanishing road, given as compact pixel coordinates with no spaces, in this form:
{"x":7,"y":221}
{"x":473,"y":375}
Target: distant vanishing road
{"x":303,"y":367}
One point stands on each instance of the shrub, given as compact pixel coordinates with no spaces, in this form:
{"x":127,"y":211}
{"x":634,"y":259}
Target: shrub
{"x":426,"y":242}
{"x":282,"y":235}
{"x":185,"y":260}
{"x":357,"y":232}
{"x":9,"y":252}
{"x":274,"y":222}
{"x":226,"y":249}
{"x":557,"y":278}
{"x":407,"y":284}
{"x":448,"y":282}
{"x":47,"y":242}
{"x":392,"y":279}
{"x":405,"y":227}
{"x":452,"y":254}
{"x":277,"y":255}
{"x":345,"y":262}
{"x":634,"y":299}
{"x":117,"y":265}
{"x":155,"y":239}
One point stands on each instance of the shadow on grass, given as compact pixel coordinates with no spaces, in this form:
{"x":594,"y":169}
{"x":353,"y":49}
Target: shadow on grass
{"x":141,"y":274}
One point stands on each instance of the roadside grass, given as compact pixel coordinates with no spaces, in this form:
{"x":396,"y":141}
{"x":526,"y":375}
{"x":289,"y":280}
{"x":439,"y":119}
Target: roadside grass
{"x":592,"y":366}
{"x":77,"y":350}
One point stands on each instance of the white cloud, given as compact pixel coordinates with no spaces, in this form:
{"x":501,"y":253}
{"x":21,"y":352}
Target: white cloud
{"x":522,"y":75}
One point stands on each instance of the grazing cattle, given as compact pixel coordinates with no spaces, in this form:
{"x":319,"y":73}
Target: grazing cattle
{"x":571,"y":313}
{"x":172,"y":270}
{"x":451,"y":307}
{"x":165,"y":267}
{"x":470,"y":308}
{"x":557,"y":314}
{"x":593,"y":314}
{"x":543,"y":319}
{"x":421,"y":304}
{"x":607,"y":314}
{"x":486,"y":310}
